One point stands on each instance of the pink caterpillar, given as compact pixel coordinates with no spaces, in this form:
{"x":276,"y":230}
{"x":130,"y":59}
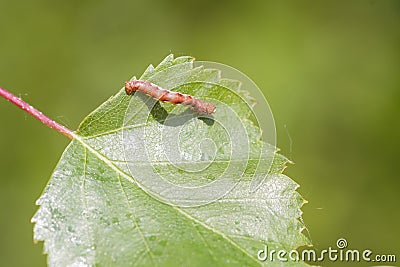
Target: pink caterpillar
{"x":168,"y":96}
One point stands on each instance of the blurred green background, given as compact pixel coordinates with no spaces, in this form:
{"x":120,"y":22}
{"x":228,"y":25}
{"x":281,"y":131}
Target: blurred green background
{"x":329,"y":69}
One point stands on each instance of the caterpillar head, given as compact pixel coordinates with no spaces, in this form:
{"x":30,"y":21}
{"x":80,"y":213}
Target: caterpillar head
{"x":130,"y":87}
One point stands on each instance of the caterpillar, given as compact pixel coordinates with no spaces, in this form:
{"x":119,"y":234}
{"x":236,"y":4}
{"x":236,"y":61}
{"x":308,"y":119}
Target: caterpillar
{"x":168,"y":96}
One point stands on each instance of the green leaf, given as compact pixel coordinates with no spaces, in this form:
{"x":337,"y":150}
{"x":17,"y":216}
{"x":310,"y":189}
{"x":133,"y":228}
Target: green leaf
{"x":142,"y":184}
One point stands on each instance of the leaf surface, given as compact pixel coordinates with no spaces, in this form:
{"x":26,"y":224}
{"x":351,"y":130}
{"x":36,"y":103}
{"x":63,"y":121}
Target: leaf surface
{"x":146,"y":183}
